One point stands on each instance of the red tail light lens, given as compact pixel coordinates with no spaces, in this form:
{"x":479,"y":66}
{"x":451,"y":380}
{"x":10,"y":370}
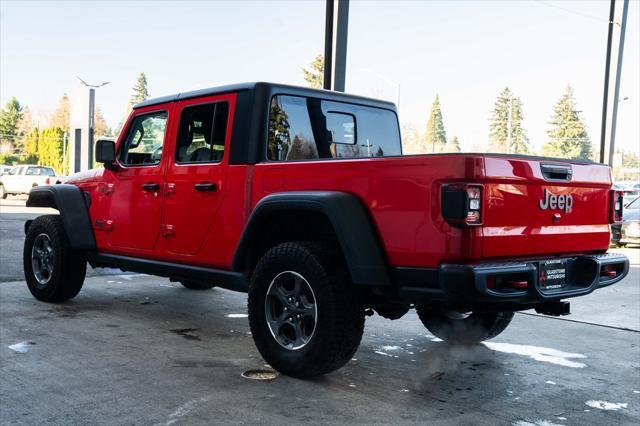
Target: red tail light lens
{"x":617,"y":204}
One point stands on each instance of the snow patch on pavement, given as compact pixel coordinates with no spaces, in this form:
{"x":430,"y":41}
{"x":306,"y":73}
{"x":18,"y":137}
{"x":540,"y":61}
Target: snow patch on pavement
{"x":391,"y":348}
{"x":237,"y":315}
{"x":129,"y":277}
{"x":604,"y":405}
{"x":21,"y":348}
{"x":539,"y":353}
{"x":184,"y":410}
{"x":535,"y":423}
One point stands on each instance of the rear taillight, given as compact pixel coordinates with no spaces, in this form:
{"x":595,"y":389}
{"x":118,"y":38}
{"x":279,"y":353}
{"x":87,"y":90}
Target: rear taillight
{"x":47,"y":181}
{"x":474,"y":205}
{"x":616,"y":204}
{"x":462,"y":204}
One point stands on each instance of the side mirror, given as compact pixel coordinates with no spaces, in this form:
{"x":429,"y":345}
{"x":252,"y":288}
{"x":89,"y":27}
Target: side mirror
{"x":106,"y":153}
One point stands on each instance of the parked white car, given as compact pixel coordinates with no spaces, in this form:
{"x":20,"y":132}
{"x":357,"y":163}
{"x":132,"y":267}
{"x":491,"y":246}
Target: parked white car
{"x":20,"y":179}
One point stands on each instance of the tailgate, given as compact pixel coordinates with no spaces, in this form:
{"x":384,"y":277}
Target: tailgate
{"x":544,"y":207}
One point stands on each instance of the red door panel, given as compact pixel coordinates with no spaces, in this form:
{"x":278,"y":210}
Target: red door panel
{"x":135,"y":210}
{"x":196,"y":187}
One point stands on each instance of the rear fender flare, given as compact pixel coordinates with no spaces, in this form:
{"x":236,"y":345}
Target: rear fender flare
{"x":72,"y":205}
{"x":354,"y":229}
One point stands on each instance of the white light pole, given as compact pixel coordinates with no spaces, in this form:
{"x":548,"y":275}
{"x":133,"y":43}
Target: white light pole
{"x":92,"y":101}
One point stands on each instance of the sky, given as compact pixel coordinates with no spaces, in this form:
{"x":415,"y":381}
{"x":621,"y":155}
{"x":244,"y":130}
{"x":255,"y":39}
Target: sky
{"x":464,"y":51}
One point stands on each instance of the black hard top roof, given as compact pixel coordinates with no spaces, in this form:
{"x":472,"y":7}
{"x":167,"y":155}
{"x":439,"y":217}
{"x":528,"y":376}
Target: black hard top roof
{"x":272,"y":86}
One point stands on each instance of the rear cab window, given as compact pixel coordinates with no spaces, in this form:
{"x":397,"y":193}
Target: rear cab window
{"x":302,"y":128}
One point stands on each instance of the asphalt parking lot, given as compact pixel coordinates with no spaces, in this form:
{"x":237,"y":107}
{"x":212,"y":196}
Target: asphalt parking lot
{"x":135,"y":349}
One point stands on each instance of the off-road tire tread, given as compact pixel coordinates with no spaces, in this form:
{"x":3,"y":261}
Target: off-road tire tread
{"x":69,"y":268}
{"x":347,"y":320}
{"x":478,"y":327}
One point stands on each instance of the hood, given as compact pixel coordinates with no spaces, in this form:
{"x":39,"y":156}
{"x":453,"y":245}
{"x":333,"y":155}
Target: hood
{"x":84,"y":176}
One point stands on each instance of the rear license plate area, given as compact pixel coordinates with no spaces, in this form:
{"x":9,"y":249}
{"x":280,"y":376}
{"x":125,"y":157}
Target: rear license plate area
{"x":552,"y":274}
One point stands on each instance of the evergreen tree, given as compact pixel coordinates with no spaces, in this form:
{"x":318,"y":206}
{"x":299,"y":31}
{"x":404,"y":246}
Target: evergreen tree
{"x":49,"y":148}
{"x":506,"y":134}
{"x":100,"y":127}
{"x":25,"y":126}
{"x":436,"y":137}
{"x":31,"y":143}
{"x":453,"y":145}
{"x":279,"y":135}
{"x":10,"y":116}
{"x":314,"y":76}
{"x":140,"y":91}
{"x":568,"y":137}
{"x":411,"y":140}
{"x":62,"y":114}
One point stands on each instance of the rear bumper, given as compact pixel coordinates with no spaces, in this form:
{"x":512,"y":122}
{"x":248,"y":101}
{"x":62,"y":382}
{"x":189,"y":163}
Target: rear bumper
{"x":475,"y":284}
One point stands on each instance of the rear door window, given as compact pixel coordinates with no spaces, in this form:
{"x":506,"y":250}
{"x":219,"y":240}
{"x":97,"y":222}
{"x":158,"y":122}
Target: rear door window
{"x":203,"y":129}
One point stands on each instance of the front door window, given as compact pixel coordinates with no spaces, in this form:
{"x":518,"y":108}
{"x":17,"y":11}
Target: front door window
{"x":145,"y":139}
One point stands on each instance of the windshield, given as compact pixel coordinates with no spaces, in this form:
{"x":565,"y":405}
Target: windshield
{"x":634,"y":205}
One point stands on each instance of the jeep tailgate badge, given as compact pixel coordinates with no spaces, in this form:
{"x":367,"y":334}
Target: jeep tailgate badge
{"x":552,"y":201}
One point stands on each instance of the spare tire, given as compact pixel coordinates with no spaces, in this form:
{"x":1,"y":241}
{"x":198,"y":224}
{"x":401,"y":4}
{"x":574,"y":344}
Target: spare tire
{"x":463,"y":328}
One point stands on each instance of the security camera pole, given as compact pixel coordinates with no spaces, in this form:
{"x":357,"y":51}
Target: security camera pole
{"x":92,"y":101}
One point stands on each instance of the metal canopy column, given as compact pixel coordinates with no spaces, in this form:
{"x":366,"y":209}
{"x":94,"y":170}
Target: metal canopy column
{"x":613,"y":67}
{"x":335,"y":44}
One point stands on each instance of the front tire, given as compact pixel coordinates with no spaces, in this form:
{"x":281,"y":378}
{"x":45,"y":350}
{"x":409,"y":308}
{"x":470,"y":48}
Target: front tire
{"x":463,"y":328}
{"x":53,"y":270}
{"x":305,"y":317}
{"x":3,"y":194}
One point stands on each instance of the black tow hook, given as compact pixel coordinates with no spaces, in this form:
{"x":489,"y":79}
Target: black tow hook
{"x":554,"y":309}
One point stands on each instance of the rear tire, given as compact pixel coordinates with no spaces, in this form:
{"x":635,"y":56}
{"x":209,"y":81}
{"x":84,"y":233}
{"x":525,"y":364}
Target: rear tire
{"x":53,"y":270}
{"x":305,"y":317}
{"x":461,"y":328}
{"x":194,"y":285}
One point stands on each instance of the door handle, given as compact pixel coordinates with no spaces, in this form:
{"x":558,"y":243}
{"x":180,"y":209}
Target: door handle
{"x":150,"y":186}
{"x":205,"y":186}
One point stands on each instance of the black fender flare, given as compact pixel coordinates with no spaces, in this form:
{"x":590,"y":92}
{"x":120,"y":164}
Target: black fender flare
{"x":72,"y":205}
{"x":353,"y":226}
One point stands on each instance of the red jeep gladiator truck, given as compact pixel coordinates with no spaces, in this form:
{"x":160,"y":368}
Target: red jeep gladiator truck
{"x":303,"y":199}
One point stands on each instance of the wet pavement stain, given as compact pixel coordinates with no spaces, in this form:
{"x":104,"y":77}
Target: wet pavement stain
{"x":187,"y":333}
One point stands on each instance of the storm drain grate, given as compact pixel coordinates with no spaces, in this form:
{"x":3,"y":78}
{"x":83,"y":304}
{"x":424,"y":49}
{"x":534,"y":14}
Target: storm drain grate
{"x":260,"y":374}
